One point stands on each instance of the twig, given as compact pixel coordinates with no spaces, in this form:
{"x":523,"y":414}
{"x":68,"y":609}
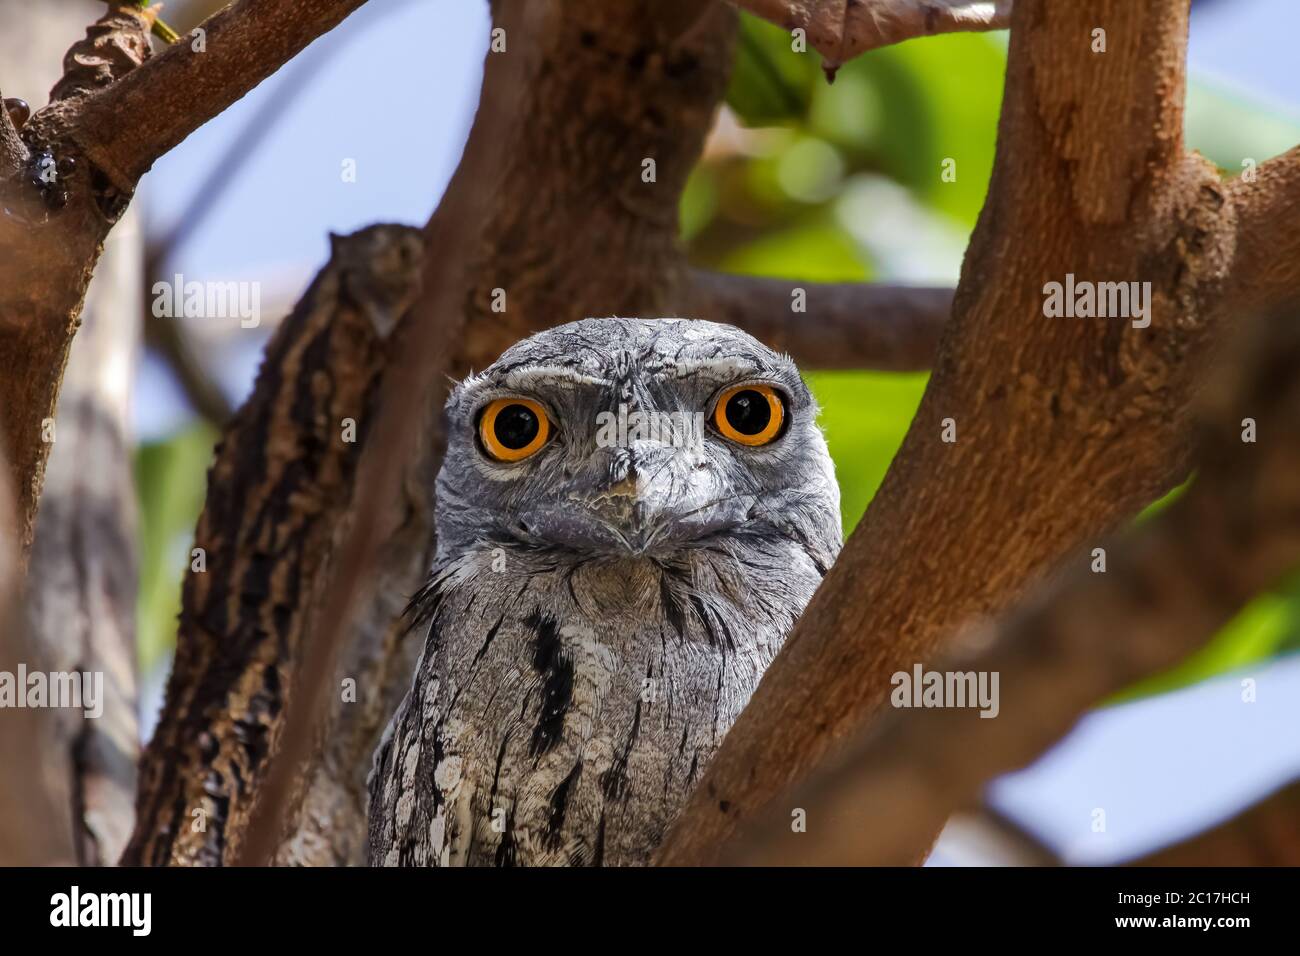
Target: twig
{"x":168,"y":336}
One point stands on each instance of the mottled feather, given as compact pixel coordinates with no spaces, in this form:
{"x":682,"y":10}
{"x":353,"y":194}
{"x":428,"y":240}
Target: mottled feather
{"x":598,"y":616}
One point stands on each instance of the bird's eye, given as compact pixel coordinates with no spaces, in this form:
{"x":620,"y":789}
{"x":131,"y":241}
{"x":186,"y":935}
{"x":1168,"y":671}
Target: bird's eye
{"x":750,"y":414}
{"x":512,"y":429}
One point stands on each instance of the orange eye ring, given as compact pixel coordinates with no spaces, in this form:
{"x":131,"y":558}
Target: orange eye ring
{"x":752,"y":415}
{"x":512,"y":429}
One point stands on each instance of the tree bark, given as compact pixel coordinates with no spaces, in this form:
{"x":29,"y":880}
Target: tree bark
{"x":102,"y":133}
{"x":82,"y":579}
{"x":1166,"y":588}
{"x":841,"y":31}
{"x":281,"y":481}
{"x":81,"y":586}
{"x":1085,"y":419}
{"x":35,"y":829}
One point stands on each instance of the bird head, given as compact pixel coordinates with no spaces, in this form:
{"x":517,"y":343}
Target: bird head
{"x":636,"y":438}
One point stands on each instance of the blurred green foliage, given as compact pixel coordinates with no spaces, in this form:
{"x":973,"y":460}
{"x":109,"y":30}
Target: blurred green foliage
{"x":170,"y":480}
{"x":773,"y":196}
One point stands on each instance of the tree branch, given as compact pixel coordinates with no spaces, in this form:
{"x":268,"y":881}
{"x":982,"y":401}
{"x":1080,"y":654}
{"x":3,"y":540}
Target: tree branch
{"x":395,"y":440}
{"x":82,"y":583}
{"x":1266,"y":834}
{"x":13,"y":154}
{"x":34,"y":824}
{"x":1167,"y":588}
{"x":839,"y":326}
{"x":111,"y":118}
{"x":840,"y":31}
{"x":128,"y":125}
{"x":1268,"y":250}
{"x":279,"y":487}
{"x":1036,"y":434}
{"x":571,"y":230}
{"x":166,"y":334}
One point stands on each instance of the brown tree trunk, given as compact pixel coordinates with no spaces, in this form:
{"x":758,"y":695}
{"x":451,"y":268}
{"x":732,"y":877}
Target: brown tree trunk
{"x":82,"y":579}
{"x":281,"y":482}
{"x":1165,"y":588}
{"x":110,"y":118}
{"x":1061,"y":429}
{"x":81,"y":587}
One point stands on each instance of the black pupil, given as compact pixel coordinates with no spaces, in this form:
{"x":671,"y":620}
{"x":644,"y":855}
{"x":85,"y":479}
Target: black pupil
{"x":515,"y":426}
{"x":748,"y":412}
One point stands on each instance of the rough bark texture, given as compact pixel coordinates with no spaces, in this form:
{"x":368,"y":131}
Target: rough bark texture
{"x":81,"y":587}
{"x":1168,"y":587}
{"x":58,"y":211}
{"x":82,"y":579}
{"x":1065,"y":428}
{"x":281,"y":480}
{"x":101,"y":137}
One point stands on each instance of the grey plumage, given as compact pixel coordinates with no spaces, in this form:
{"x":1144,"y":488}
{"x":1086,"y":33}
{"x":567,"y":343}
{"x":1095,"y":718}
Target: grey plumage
{"x":598,"y":616}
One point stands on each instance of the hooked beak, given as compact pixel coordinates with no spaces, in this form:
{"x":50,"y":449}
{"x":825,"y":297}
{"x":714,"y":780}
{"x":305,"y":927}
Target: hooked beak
{"x":660,"y":500}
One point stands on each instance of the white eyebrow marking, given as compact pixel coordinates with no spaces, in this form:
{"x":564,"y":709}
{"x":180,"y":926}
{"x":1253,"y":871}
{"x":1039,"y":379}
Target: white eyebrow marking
{"x":721,"y":369}
{"x":531,"y":378}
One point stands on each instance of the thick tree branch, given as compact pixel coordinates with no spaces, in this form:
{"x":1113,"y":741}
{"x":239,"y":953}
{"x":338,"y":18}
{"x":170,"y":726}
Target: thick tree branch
{"x":82,"y":583}
{"x":126,"y":126}
{"x":1167,"y":588}
{"x":110,"y":120}
{"x":279,"y":486}
{"x":840,"y":31}
{"x":1037,"y":433}
{"x":1268,"y":250}
{"x":34,"y":824}
{"x":1266,"y":834}
{"x":396,"y":441}
{"x":829,"y":326}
